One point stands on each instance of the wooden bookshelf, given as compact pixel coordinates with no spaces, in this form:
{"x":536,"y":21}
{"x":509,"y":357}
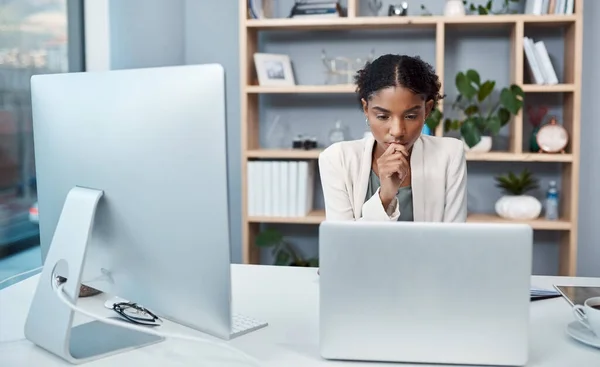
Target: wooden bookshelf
{"x":571,"y":90}
{"x":489,"y":157}
{"x":342,"y":88}
{"x":317,"y":216}
{"x":353,"y":22}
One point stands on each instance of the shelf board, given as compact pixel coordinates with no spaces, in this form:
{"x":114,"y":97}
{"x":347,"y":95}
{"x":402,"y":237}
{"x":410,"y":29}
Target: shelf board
{"x":488,"y":157}
{"x":342,"y":23}
{"x":318,"y":216}
{"x":539,"y":224}
{"x":405,"y":22}
{"x":518,"y":157}
{"x":314,"y":217}
{"x":315,"y":89}
{"x":284,"y":153}
{"x":542,"y":88}
{"x":351,"y":88}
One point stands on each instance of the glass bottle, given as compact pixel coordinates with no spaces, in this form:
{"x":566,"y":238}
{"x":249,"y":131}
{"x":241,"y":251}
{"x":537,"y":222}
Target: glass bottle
{"x":337,"y":133}
{"x":552,"y":202}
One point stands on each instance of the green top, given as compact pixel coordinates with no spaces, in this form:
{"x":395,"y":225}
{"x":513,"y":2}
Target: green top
{"x":404,"y":197}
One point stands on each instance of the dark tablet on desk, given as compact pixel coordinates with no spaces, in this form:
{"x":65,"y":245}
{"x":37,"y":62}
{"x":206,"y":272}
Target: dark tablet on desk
{"x":576,"y":295}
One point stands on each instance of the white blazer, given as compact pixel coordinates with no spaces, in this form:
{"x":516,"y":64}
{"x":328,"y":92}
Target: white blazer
{"x":439,"y":181}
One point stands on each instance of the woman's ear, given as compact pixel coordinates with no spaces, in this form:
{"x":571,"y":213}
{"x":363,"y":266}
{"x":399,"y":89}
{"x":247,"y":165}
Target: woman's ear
{"x":364,"y":105}
{"x":428,"y":107}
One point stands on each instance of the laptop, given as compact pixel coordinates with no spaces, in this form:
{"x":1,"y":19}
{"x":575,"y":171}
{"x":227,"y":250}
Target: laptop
{"x":453,"y":293}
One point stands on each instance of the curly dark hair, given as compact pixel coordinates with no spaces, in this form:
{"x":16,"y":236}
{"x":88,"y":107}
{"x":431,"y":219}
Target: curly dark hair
{"x":398,"y":70}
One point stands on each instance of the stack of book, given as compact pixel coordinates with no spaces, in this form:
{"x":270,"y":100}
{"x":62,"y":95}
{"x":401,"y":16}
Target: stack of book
{"x":280,"y":188}
{"x":538,"y":62}
{"x":540,"y":7}
{"x":539,"y":293}
{"x":316,"y":9}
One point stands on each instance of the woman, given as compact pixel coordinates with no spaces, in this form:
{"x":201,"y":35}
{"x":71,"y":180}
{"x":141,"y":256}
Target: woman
{"x":397,"y":174}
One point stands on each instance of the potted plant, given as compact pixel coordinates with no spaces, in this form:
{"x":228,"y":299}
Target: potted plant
{"x":480,"y":117}
{"x":283,"y":252}
{"x":486,"y":9}
{"x":515,"y":204}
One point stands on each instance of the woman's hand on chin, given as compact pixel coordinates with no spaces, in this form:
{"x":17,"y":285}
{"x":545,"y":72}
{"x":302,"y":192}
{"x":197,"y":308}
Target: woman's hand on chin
{"x":393,"y":168}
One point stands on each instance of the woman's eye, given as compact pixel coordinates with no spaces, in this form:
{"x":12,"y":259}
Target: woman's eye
{"x":410,"y":117}
{"x":382,"y":117}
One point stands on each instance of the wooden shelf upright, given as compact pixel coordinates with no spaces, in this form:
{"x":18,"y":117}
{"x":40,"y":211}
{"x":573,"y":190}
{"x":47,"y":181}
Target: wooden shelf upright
{"x":570,"y":88}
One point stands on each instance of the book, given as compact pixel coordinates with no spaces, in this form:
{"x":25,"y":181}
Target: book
{"x":536,"y":294}
{"x":280,"y":188}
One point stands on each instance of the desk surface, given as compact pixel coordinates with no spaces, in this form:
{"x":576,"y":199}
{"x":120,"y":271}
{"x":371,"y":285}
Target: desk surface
{"x":288,"y":298}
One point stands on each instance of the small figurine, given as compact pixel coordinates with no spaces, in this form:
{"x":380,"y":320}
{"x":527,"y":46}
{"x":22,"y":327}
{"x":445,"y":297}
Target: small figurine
{"x":398,"y":10}
{"x":375,"y":6}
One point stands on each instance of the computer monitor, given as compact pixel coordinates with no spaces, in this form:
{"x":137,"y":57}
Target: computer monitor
{"x":132,"y":191}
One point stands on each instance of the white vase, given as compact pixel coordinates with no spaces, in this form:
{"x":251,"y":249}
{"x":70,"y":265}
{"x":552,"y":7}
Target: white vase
{"x":484,"y":145}
{"x":518,"y":207}
{"x":454,"y":8}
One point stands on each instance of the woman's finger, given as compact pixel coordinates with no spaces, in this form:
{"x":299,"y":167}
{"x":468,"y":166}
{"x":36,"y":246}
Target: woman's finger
{"x":401,"y":149}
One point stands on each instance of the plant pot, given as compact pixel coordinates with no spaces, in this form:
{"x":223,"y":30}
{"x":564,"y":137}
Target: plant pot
{"x":519,"y":207}
{"x":484,"y":145}
{"x":301,"y":264}
{"x":533,"y":145}
{"x":454,"y":8}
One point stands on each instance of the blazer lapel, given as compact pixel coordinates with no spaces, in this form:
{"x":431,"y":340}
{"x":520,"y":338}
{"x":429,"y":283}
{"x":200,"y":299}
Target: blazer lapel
{"x":418,"y":181}
{"x":363,"y":179}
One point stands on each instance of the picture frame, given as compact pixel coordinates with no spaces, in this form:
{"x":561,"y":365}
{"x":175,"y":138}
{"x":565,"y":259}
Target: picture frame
{"x":274,"y":69}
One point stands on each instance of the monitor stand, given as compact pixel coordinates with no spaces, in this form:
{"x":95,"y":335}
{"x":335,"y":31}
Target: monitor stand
{"x":50,"y":322}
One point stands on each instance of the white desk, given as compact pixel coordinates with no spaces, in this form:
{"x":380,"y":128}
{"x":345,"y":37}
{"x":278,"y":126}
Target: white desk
{"x":286,"y":297}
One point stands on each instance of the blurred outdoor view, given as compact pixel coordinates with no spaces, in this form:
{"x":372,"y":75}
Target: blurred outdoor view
{"x":33,"y":40}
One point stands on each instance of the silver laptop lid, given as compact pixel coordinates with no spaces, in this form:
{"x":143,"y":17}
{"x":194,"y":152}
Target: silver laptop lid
{"x":425,"y":292}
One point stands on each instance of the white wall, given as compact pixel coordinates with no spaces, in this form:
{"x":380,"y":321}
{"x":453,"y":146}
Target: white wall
{"x":122,"y":34}
{"x":146,"y":33}
{"x":215,"y":23}
{"x":589,"y":193}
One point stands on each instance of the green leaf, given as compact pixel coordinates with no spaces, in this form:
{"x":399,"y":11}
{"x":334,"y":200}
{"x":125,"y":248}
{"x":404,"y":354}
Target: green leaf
{"x":503,"y":115}
{"x":283,"y":258}
{"x":448,"y":125}
{"x":434,"y":119}
{"x":456,"y":103}
{"x":488,"y":6}
{"x":494,"y":125}
{"x":472,"y":7}
{"x":485,"y":90}
{"x":480,"y":123}
{"x":510,"y":101}
{"x":268,"y":237}
{"x":517,"y":184}
{"x":470,"y":133}
{"x":456,"y":124}
{"x":451,"y":125}
{"x":473,"y":75}
{"x":516,"y":90}
{"x":463,"y":84}
{"x":482,"y":10}
{"x":471,"y":109}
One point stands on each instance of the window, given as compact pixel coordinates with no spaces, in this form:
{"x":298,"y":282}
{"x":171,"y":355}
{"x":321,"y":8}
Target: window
{"x":36,"y":37}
